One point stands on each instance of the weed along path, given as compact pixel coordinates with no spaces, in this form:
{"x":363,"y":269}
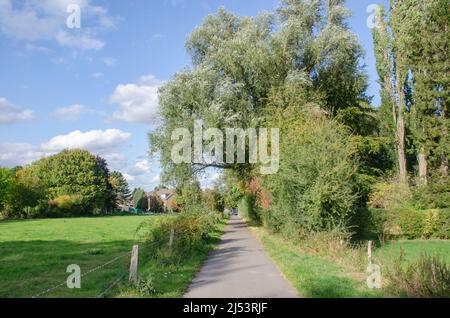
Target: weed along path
{"x":239,"y":268}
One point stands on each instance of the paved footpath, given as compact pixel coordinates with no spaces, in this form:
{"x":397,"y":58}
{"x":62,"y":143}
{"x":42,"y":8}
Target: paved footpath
{"x":239,"y":268}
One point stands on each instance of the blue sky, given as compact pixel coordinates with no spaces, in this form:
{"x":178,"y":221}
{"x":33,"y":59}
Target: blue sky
{"x":95,"y":87}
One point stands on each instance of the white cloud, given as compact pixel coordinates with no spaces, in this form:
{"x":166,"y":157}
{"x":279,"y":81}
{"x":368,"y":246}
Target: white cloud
{"x":109,"y":61}
{"x":12,"y":114}
{"x":82,"y":42}
{"x":37,"y":48}
{"x":141,"y":167}
{"x":19,"y":154}
{"x":45,"y":20}
{"x":128,"y":177}
{"x":94,"y":140}
{"x":72,"y":112}
{"x":97,"y":75}
{"x":100,"y":142}
{"x":137,"y":102}
{"x":156,"y":179}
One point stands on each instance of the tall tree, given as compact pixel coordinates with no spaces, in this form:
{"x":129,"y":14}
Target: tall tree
{"x":429,"y":47}
{"x":120,"y":187}
{"x":240,"y":63}
{"x":412,"y":47}
{"x":392,"y":80}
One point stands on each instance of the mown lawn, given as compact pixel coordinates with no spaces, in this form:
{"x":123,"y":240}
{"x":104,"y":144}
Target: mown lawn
{"x":34,"y":254}
{"x":412,"y":250}
{"x":315,"y":277}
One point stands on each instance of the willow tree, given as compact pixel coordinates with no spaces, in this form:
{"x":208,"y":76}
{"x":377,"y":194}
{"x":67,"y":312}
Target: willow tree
{"x":302,"y":55}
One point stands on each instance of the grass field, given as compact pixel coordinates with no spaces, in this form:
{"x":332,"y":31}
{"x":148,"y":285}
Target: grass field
{"x":314,"y":276}
{"x":34,"y":256}
{"x":412,"y":250}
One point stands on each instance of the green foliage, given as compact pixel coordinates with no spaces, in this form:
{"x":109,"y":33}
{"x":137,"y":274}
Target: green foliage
{"x":389,"y":195}
{"x":411,"y":222}
{"x":76,"y":172}
{"x":66,"y":205}
{"x":434,"y":196}
{"x":249,"y":210}
{"x":120,"y":188}
{"x":314,"y":188}
{"x":189,"y":197}
{"x":139,"y":199}
{"x":214,"y":200}
{"x":429,"y":277}
{"x":146,"y":286}
{"x":6,"y":187}
{"x":29,"y":194}
{"x":73,"y":182}
{"x":303,"y":52}
{"x":191,"y":230}
{"x":401,"y":223}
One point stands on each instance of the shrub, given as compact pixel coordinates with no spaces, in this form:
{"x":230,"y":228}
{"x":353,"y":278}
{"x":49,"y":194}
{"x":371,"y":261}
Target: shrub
{"x":139,"y":199}
{"x":248,"y":209}
{"x":66,"y":205}
{"x":388,"y":195}
{"x":369,"y":224}
{"x":411,"y":222}
{"x":6,"y":187}
{"x":444,"y":222}
{"x":434,"y":196}
{"x":428,"y":277}
{"x":314,"y":188}
{"x":406,"y":222}
{"x":191,"y":230}
{"x":146,"y":286}
{"x":214,"y":200}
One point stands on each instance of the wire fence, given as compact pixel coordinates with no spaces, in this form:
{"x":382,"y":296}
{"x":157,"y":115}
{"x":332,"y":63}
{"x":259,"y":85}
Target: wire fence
{"x":119,"y":279}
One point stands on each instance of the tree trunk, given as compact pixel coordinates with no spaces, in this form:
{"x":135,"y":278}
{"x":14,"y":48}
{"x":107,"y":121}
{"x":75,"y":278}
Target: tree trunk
{"x":400,"y":135}
{"x":423,"y":167}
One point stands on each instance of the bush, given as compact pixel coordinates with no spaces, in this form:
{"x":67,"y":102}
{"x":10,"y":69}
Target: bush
{"x":401,"y":223}
{"x":434,"y":196}
{"x":6,"y":187}
{"x":314,"y":188}
{"x":66,"y":205}
{"x":146,"y":286}
{"x":389,"y":195}
{"x":191,"y":230}
{"x":411,"y":222}
{"x":437,"y":224}
{"x":248,"y":209}
{"x":428,"y":277}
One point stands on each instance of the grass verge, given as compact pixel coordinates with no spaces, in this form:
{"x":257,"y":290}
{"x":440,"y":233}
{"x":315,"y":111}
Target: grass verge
{"x":312,"y":276}
{"x":172,"y":280}
{"x":316,"y":276}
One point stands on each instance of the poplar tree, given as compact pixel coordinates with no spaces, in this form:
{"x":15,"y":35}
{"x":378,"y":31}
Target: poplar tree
{"x":392,"y":81}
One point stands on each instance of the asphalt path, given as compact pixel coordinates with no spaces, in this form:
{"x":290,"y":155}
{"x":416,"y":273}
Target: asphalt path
{"x":239,"y":268}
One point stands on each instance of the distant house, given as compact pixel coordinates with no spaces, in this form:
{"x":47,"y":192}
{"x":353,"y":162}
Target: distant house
{"x":164,"y":196}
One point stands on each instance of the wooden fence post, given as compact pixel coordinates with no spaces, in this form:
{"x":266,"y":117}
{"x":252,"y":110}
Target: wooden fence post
{"x":369,"y":252}
{"x":134,"y":264}
{"x":172,"y":234}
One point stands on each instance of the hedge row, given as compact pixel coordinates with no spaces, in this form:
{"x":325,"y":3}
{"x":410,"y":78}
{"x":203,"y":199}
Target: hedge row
{"x":402,"y":223}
